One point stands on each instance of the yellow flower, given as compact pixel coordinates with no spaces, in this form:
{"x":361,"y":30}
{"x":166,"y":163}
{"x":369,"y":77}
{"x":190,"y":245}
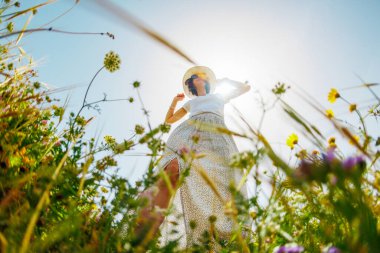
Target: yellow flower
{"x":329,"y":113}
{"x":352,"y":107}
{"x":332,"y":145}
{"x":376,"y":182}
{"x":302,"y":154}
{"x":110,"y":140}
{"x":94,"y":206}
{"x":315,"y":152}
{"x":292,"y":140}
{"x":333,"y":95}
{"x":331,"y":140}
{"x":356,"y":138}
{"x":253,"y":214}
{"x":112,"y":61}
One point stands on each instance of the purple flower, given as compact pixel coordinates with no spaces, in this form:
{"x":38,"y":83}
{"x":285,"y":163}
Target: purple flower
{"x":329,"y":156}
{"x":282,"y":249}
{"x":290,"y":249}
{"x":183,"y":150}
{"x":360,"y":159}
{"x":349,"y":163}
{"x":333,"y":249}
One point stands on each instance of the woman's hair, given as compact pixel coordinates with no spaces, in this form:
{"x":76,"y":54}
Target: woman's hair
{"x":192,"y":89}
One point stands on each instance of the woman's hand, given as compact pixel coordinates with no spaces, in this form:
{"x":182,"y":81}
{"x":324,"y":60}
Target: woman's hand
{"x":179,"y":97}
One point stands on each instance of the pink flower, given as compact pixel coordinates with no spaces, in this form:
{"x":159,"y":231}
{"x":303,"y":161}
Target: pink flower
{"x":183,"y":150}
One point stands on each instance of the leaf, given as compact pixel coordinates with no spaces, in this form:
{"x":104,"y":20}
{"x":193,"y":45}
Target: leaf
{"x":29,"y":9}
{"x":22,"y":51}
{"x":124,"y":16}
{"x":24,"y":28}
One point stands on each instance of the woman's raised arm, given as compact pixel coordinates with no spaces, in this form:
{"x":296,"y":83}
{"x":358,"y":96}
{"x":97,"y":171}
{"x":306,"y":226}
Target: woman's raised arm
{"x":239,"y":88}
{"x":172,"y":117}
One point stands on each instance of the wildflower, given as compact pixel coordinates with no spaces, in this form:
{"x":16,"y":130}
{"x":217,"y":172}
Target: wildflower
{"x":104,"y":189}
{"x":350,"y":162}
{"x":112,"y":61}
{"x":329,"y":113}
{"x":331,"y":249}
{"x":44,"y":122}
{"x":302,"y":154}
{"x":289,"y":248}
{"x":184,"y":152}
{"x":165,"y":128}
{"x":136,"y":84}
{"x":315,"y":152}
{"x":333,"y":95}
{"x":292,"y":140}
{"x":253,"y":214}
{"x":356,"y":138}
{"x":139,"y":129}
{"x":331,"y":140}
{"x":105,"y":162}
{"x":280,"y":88}
{"x":329,"y":156}
{"x":332,"y":145}
{"x":80,"y":120}
{"x":109,"y":140}
{"x":352,"y":107}
{"x":37,"y":85}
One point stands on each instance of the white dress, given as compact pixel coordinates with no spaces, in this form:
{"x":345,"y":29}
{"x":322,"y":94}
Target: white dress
{"x":195,"y":200}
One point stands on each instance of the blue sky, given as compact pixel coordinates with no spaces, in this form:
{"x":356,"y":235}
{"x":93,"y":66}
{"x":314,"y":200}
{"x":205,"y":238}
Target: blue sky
{"x":313,"y":45}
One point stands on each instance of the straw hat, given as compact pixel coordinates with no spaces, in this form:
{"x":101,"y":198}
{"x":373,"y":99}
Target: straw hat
{"x":203,"y":72}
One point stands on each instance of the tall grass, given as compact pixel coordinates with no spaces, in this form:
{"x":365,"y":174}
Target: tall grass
{"x":55,"y":183}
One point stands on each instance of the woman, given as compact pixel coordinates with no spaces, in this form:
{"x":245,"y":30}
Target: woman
{"x":195,"y":201}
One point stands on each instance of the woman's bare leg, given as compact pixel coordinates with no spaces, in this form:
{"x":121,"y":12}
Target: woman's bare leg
{"x":161,"y":199}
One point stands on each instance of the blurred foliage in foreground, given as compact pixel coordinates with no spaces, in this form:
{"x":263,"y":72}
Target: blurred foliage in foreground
{"x":56,"y":184}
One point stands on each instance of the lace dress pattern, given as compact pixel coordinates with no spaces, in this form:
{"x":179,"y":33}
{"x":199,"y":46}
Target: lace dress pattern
{"x":195,"y":201}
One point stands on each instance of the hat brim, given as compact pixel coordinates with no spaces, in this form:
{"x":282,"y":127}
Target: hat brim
{"x":196,"y":69}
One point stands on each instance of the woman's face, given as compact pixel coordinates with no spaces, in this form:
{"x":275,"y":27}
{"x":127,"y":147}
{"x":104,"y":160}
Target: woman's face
{"x":199,"y":82}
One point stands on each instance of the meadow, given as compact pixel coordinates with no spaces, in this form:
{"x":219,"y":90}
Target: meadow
{"x":54,"y":182}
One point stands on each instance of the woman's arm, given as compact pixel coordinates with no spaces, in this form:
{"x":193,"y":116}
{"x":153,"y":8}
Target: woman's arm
{"x":239,"y":88}
{"x":172,"y":117}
